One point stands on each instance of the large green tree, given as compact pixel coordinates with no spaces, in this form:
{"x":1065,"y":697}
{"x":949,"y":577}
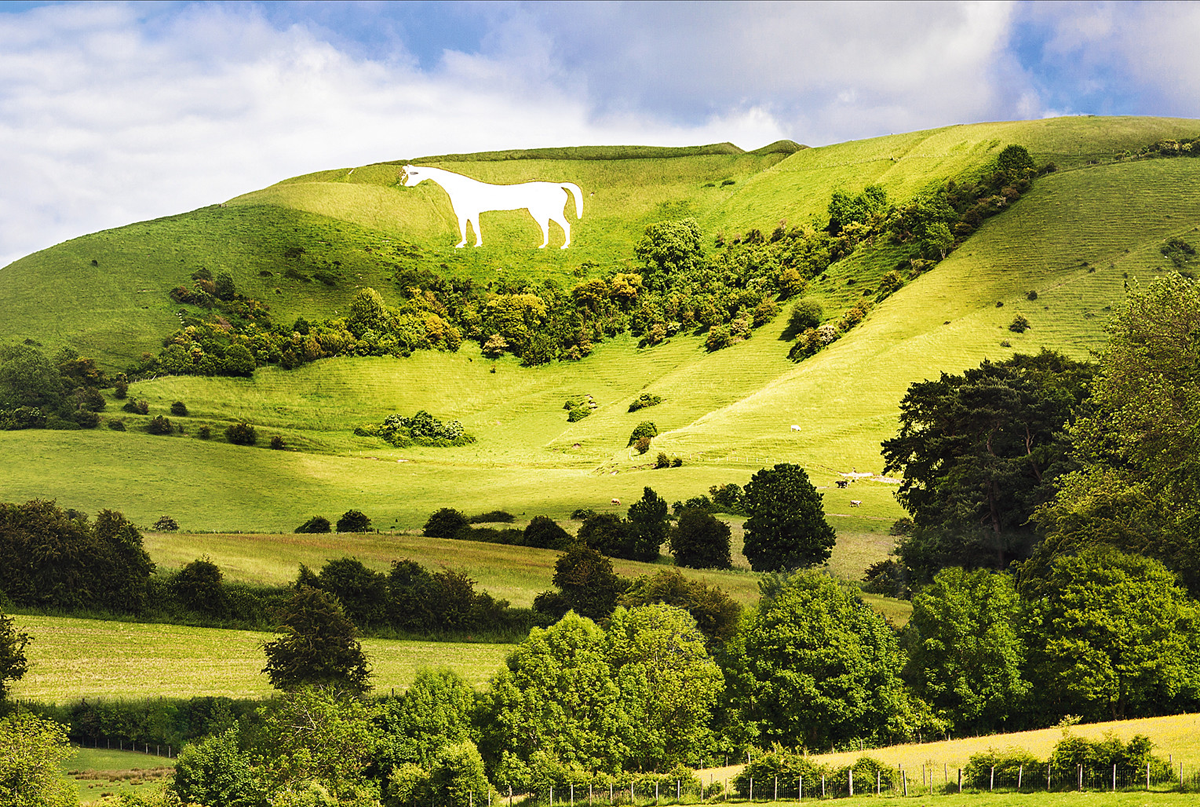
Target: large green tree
{"x":965,"y":653}
{"x":649,"y":524}
{"x":31,"y":752}
{"x":1138,"y":487}
{"x":815,"y":666}
{"x":786,"y":527}
{"x":435,"y":711}
{"x":700,"y":540}
{"x":13,"y":663}
{"x":1112,"y":636}
{"x":318,"y":645}
{"x":977,"y":453}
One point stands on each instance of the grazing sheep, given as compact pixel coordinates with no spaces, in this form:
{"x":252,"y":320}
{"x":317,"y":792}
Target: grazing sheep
{"x":616,"y":501}
{"x":795,"y":428}
{"x":855,"y":502}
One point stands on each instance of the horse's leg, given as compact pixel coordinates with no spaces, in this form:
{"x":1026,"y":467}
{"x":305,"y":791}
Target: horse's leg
{"x":462,"y":231}
{"x":566,"y":225}
{"x":545,"y":225}
{"x":478,"y":235}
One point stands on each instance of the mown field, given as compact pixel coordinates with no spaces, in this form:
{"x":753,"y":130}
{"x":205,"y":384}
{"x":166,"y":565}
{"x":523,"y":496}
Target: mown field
{"x":72,"y":658}
{"x":101,"y":773}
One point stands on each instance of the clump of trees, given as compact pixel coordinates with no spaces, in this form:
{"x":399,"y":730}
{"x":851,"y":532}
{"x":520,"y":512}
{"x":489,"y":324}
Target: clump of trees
{"x":420,"y":429}
{"x":38,"y":392}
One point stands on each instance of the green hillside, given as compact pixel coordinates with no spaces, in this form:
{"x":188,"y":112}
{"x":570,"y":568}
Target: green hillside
{"x":1076,"y":238}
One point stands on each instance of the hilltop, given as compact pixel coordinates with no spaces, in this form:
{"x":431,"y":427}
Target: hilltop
{"x":1061,"y":256}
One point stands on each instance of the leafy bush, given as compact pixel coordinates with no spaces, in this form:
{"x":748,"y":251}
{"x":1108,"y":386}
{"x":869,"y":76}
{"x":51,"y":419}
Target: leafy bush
{"x":578,"y":413}
{"x":493,"y":517}
{"x":353,"y":521}
{"x":116,"y":425}
{"x":644,"y":429}
{"x":165,"y":524}
{"x":241,"y":434}
{"x":787,"y":766}
{"x":136,"y":407}
{"x":644,"y":400}
{"x":422,"y":428}
{"x":701,"y":541}
{"x":1019,"y":324}
{"x":1006,"y":764}
{"x":179,"y":409}
{"x":198,"y":587}
{"x":718,"y":337}
{"x":1032,"y":295}
{"x":444,"y":523}
{"x":726,"y":498}
{"x":642,"y":445}
{"x":277,"y":442}
{"x":316,"y":524}
{"x":806,"y":314}
{"x":204,"y":432}
{"x":159,"y":425}
{"x":545,"y":533}
{"x":887,"y":577}
{"x":662,"y":460}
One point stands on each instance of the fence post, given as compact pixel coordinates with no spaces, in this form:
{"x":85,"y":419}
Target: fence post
{"x":800,"y":790}
{"x":1047,"y":777}
{"x":1081,"y":777}
{"x":904,"y":780}
{"x":656,"y":791}
{"x":851,"y":772}
{"x":776,"y":789}
{"x":751,"y":789}
{"x":878,"y":781}
{"x":992,"y":780}
{"x":1114,"y":777}
{"x":1020,"y":776}
{"x":1147,"y":775}
{"x":822,"y":785}
{"x":960,"y":780}
{"x":572,"y":794}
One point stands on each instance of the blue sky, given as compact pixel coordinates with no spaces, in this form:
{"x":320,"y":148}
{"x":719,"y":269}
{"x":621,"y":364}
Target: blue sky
{"x":117,"y":112}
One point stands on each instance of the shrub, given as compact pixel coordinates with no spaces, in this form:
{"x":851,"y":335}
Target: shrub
{"x":726,"y":498}
{"x":578,"y":413}
{"x":1006,"y":764}
{"x":165,"y":524}
{"x":444,"y":523}
{"x":700,"y":540}
{"x":545,"y":533}
{"x":901,"y":526}
{"x":662,"y":460}
{"x":314,"y":525}
{"x":764,"y":312}
{"x":642,"y":445}
{"x":204,"y":432}
{"x":493,"y":517}
{"x":644,"y":429}
{"x":806,"y":313}
{"x":890,"y":283}
{"x":644,"y":400}
{"x":159,"y":425}
{"x":136,"y":407}
{"x":179,"y":409}
{"x":1032,"y":295}
{"x":116,"y":425}
{"x":1019,"y":324}
{"x":198,"y":588}
{"x":277,"y":442}
{"x":241,"y":434}
{"x":353,"y":521}
{"x":121,"y":390}
{"x":718,"y":337}
{"x":886,"y":577}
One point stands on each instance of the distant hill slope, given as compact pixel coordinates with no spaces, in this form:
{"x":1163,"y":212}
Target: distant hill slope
{"x":1076,"y":239}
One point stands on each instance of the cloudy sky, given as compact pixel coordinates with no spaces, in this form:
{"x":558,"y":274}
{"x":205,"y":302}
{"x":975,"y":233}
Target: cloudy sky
{"x":118,"y":112}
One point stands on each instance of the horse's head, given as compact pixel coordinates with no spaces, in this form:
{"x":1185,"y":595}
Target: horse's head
{"x":412,"y":175}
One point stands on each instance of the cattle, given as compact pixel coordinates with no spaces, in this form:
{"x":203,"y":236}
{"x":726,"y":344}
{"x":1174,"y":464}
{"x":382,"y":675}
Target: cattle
{"x":616,"y":501}
{"x":795,"y":428}
{"x":841,"y":483}
{"x":855,"y":502}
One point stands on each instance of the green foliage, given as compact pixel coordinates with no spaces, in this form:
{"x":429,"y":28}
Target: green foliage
{"x":965,"y":652}
{"x":198,"y":586}
{"x":977,"y":453}
{"x":1098,"y":757}
{"x":362,"y":593}
{"x":319,"y":645}
{"x":216,"y":771}
{"x":814,"y":666}
{"x":668,"y":248}
{"x":806,"y":314}
{"x":786,"y":765}
{"x":1112,"y":636}
{"x":1015,"y":163}
{"x":60,"y":559}
{"x":444,"y":523}
{"x":159,"y":425}
{"x":1138,"y":487}
{"x":241,"y":434}
{"x":1019,"y":324}
{"x":435,"y":711}
{"x":716,"y":615}
{"x":354,"y":521}
{"x":492,"y":517}
{"x":457,"y":777}
{"x":649,"y":525}
{"x":699,"y":540}
{"x":545,"y":533}
{"x":786,"y":527}
{"x":1001,"y":769}
{"x":13,"y":663}
{"x":644,"y":429}
{"x":165,"y":524}
{"x":422,"y":429}
{"x":179,"y":409}
{"x":845,"y":210}
{"x":31,"y":751}
{"x":643,"y":400}
{"x":727,"y":498}
{"x":316,"y":524}
{"x":588,"y":583}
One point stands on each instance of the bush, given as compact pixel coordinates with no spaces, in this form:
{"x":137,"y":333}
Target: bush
{"x":493,"y":517}
{"x":578,"y":413}
{"x":662,"y":460}
{"x":116,"y":425}
{"x":159,"y":425}
{"x":444,"y":523}
{"x":353,"y":521}
{"x":136,"y":407}
{"x":179,"y":409}
{"x":198,"y":587}
{"x":165,"y":524}
{"x":316,"y":524}
{"x":644,"y":429}
{"x":700,"y":540}
{"x":887,"y":577}
{"x":121,"y":390}
{"x":1033,"y":295}
{"x":545,"y":533}
{"x":726,"y":498}
{"x":1007,"y":766}
{"x":241,"y":434}
{"x":807,"y":313}
{"x":277,"y":443}
{"x":642,"y":445}
{"x":718,"y":337}
{"x":204,"y":432}
{"x":644,"y":400}
{"x":1019,"y":324}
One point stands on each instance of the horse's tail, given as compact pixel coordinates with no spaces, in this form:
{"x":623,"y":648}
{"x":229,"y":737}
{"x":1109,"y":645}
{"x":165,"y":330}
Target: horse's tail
{"x":571,"y":187}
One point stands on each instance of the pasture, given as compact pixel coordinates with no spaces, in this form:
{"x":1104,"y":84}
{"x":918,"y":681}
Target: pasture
{"x":72,"y":658}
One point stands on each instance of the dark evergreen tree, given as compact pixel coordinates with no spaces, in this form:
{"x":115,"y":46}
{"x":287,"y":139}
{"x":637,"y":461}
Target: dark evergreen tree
{"x":587,"y":581}
{"x":318,"y":645}
{"x":786,"y":527}
{"x":700,"y":540}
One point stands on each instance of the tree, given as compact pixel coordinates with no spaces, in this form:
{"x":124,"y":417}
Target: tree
{"x":362,"y":593}
{"x":700,"y":540}
{"x":216,"y":771}
{"x":668,"y":684}
{"x":435,"y":711}
{"x":1112,"y":636}
{"x":13,"y":663}
{"x":198,"y":587}
{"x":607,"y":533}
{"x":238,"y":361}
{"x":716,"y":614}
{"x":965,"y":654}
{"x":806,"y":313}
{"x":1138,"y":485}
{"x":649,"y":524}
{"x":28,"y":378}
{"x":786,"y":527}
{"x":556,"y":695}
{"x":668,"y":248}
{"x":814,"y":666}
{"x":354,"y":521}
{"x":316,"y":524}
{"x":319,"y":645}
{"x":587,"y":581}
{"x":545,"y":533}
{"x":241,"y":434}
{"x":367,"y":313}
{"x":977,"y":454}
{"x":31,"y":751}
{"x":444,"y":523}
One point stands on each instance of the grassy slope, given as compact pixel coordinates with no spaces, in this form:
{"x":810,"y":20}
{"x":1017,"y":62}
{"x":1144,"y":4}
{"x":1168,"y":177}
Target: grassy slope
{"x":76,"y":658}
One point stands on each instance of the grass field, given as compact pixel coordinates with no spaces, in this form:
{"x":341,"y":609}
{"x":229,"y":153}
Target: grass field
{"x":71,"y":659}
{"x":100,"y":773}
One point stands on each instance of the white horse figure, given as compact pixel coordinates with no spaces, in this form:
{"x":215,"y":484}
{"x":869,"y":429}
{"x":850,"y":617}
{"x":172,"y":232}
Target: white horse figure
{"x":469,"y":198}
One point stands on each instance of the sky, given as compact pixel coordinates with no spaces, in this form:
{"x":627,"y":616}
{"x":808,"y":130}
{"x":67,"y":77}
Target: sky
{"x":112,"y":113}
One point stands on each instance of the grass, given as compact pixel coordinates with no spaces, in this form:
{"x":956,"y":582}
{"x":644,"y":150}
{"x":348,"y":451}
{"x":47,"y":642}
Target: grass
{"x":71,"y":659}
{"x":100,"y":773}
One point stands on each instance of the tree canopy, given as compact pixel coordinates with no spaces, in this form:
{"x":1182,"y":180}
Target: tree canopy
{"x":318,"y":645}
{"x":786,"y":527}
{"x":13,"y":663}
